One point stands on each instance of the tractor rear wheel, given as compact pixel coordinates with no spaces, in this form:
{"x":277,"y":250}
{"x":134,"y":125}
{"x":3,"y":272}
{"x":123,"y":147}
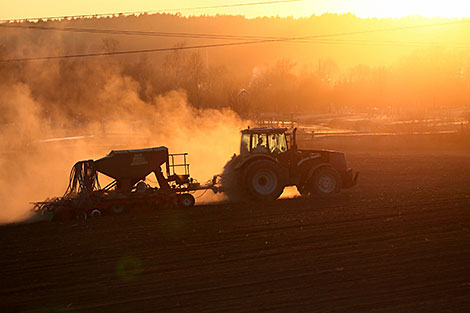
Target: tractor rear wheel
{"x":263,"y":180}
{"x":325,"y":182}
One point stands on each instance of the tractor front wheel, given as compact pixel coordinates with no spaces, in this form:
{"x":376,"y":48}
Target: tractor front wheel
{"x":325,"y":182}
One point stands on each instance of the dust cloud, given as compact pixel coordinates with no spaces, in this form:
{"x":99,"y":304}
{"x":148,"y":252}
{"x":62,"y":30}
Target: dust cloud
{"x":37,"y":152}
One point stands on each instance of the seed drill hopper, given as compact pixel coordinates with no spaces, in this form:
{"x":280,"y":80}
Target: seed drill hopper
{"x":129,"y":190}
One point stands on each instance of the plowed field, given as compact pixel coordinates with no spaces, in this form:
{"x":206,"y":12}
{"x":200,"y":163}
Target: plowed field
{"x":397,"y":242}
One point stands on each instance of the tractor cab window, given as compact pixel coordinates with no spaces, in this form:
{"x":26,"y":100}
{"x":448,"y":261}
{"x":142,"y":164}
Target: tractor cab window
{"x":277,"y":143}
{"x":245,"y":144}
{"x":259,"y":143}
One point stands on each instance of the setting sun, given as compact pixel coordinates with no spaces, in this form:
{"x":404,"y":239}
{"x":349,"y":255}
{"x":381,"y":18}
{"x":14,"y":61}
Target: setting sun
{"x":401,"y":8}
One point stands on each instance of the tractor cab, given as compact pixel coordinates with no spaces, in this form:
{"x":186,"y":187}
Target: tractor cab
{"x":263,"y":141}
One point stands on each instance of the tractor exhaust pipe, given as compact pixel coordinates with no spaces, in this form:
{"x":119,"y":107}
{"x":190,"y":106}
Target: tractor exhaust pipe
{"x":294,"y":139}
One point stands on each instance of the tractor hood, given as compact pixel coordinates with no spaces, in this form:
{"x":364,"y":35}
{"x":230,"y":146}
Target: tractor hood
{"x":336,"y":159}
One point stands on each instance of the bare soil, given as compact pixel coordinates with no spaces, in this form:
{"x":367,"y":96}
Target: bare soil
{"x":397,"y":242}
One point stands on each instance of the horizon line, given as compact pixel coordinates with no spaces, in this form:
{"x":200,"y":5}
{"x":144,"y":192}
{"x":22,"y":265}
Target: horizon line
{"x":179,"y":14}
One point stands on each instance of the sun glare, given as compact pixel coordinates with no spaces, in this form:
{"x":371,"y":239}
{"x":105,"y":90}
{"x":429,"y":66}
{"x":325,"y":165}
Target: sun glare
{"x":401,"y":8}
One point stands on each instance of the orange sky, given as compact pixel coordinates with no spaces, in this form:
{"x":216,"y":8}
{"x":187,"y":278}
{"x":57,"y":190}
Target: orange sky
{"x":363,"y":8}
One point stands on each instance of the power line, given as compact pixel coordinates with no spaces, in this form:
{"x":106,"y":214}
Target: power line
{"x":131,"y":52}
{"x":218,"y":36}
{"x":388,"y":43}
{"x":202,"y":35}
{"x":133,"y":32}
{"x":261,"y":40}
{"x":101,"y":54}
{"x":150,"y":12}
{"x":397,"y":28}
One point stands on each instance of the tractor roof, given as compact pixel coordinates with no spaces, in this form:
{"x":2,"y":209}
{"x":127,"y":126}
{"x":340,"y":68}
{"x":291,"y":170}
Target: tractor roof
{"x":264,"y":130}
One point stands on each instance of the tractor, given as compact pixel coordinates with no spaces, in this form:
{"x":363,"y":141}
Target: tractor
{"x":270,"y":160}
